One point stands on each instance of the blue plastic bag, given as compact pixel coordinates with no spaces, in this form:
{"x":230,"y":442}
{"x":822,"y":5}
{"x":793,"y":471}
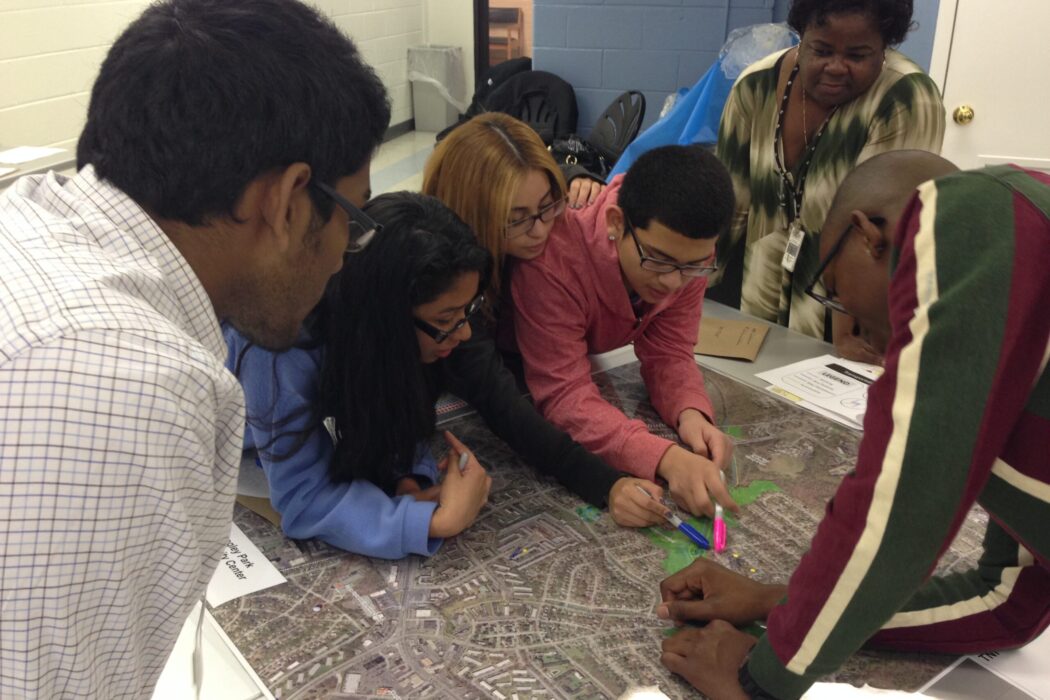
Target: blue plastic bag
{"x":695,"y":115}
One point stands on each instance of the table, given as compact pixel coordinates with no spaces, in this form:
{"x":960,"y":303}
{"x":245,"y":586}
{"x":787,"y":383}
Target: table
{"x":544,"y":596}
{"x":782,"y":346}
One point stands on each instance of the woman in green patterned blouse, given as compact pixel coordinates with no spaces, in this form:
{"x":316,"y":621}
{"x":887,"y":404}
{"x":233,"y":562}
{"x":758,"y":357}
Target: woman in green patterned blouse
{"x":795,"y":124}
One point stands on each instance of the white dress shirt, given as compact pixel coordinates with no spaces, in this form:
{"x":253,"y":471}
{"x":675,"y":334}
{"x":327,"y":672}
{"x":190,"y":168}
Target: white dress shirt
{"x":120,"y":439}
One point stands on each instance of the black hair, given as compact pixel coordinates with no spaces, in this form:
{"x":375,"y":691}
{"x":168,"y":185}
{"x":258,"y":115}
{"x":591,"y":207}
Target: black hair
{"x":373,"y":383}
{"x":196,"y":98}
{"x":892,"y":17}
{"x":685,"y":188}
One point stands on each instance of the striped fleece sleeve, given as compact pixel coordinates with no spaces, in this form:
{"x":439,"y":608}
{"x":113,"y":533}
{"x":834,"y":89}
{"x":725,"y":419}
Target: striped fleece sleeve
{"x":958,"y":373}
{"x":1002,"y":603}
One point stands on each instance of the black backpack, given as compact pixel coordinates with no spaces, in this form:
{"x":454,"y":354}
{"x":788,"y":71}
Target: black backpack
{"x":488,"y":81}
{"x":540,"y":99}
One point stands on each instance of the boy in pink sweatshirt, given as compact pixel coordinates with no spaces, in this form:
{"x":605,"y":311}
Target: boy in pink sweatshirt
{"x":632,"y":267}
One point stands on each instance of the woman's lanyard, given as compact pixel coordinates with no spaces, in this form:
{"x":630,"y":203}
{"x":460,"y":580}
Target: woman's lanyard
{"x":792,"y":192}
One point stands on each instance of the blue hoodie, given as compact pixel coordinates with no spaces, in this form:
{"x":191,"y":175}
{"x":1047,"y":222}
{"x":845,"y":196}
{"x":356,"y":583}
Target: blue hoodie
{"x":358,"y":516}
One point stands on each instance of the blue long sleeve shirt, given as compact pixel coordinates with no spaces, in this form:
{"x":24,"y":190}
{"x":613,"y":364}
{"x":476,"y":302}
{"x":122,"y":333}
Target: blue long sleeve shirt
{"x":279,"y":390}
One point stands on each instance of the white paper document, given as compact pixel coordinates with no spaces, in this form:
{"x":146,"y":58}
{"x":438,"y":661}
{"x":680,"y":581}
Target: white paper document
{"x":24,"y":154}
{"x":1024,"y":668}
{"x":830,"y":386}
{"x":242,"y":570}
{"x":226,"y":674}
{"x":845,"y":691}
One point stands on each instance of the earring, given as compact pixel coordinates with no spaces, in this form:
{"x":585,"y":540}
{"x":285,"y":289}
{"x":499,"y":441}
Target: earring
{"x":612,"y":237}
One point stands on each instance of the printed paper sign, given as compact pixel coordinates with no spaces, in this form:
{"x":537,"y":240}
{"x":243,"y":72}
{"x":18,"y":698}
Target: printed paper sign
{"x":242,"y":570}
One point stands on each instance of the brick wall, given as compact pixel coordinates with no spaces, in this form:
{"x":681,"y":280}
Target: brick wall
{"x":383,"y":30}
{"x":50,"y":51}
{"x":603,"y":47}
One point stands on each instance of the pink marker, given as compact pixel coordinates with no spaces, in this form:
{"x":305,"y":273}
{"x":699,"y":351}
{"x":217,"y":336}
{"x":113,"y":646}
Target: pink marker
{"x":720,"y":523}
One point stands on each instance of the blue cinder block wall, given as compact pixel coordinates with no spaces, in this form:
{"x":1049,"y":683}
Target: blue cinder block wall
{"x":603,"y":47}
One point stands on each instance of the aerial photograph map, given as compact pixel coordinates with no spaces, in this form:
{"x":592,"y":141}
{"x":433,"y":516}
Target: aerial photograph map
{"x":545,"y":596}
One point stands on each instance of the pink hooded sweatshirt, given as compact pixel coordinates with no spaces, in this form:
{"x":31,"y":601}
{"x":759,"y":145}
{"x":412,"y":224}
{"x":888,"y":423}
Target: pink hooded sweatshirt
{"x":571,"y":301}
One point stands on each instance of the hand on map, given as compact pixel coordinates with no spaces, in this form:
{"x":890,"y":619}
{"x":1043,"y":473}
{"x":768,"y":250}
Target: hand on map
{"x":709,"y":658}
{"x":408,"y":486}
{"x":689,"y":479}
{"x":462,"y":493}
{"x":692,"y":476}
{"x":706,"y":591}
{"x":630,"y":507}
{"x":705,"y":439}
{"x":583,"y":191}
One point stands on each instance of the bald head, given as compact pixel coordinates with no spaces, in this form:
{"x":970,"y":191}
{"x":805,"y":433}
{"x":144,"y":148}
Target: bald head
{"x":866,"y":209}
{"x":882,"y":186}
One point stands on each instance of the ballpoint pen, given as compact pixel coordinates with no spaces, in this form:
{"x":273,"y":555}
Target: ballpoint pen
{"x":683,"y":527}
{"x":720,"y":523}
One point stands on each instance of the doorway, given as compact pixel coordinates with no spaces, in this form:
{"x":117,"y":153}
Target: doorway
{"x":503,"y":31}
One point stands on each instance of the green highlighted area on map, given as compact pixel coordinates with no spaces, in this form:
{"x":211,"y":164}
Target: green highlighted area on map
{"x":680,"y":550}
{"x":588,"y":513}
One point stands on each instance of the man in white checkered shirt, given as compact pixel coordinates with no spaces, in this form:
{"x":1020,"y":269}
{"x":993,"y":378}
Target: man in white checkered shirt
{"x":219,"y":136}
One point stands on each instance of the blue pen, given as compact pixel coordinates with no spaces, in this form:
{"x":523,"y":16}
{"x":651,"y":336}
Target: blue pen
{"x":683,"y":527}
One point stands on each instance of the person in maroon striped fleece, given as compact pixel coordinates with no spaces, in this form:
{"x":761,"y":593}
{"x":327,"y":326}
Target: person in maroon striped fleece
{"x":953,"y":282}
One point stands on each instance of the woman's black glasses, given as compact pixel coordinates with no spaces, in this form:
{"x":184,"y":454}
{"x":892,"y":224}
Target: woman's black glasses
{"x":440,"y":336}
{"x":546,"y":214}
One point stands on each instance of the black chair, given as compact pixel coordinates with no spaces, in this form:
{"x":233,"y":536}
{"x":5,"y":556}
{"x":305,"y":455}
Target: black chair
{"x":540,"y":99}
{"x":618,"y":125}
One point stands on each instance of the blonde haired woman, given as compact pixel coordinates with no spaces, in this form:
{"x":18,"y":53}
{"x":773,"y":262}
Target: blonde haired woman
{"x":497,"y":175}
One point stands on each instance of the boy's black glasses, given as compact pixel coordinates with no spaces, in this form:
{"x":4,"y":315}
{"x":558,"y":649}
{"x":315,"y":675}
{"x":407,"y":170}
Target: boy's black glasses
{"x":830,"y":301}
{"x":362,"y":227}
{"x":440,"y":336}
{"x":665,"y":266}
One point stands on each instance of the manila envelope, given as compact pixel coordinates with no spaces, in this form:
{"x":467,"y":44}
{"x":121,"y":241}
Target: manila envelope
{"x":739,"y":340}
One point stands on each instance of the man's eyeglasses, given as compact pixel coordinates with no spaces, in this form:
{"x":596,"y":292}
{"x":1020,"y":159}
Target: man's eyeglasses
{"x":547,"y":213}
{"x":362,"y":227}
{"x":665,"y":266}
{"x":830,"y":301}
{"x":440,"y":336}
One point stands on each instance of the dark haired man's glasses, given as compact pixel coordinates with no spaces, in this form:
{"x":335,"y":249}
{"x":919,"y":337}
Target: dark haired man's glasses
{"x":830,"y":301}
{"x":440,"y":336}
{"x":362,"y":227}
{"x":547,"y":213}
{"x":665,"y":266}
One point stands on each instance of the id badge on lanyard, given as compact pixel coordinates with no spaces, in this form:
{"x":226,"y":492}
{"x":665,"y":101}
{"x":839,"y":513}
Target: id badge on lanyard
{"x":796,"y":234}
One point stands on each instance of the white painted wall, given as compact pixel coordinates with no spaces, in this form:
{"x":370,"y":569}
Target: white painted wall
{"x":50,"y":51}
{"x":383,"y":30}
{"x":451,"y":22}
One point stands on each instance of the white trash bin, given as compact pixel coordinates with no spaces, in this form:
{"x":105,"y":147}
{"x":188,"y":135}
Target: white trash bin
{"x":438,"y":85}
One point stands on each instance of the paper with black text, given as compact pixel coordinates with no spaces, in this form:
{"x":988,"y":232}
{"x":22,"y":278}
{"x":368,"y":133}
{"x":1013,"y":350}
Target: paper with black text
{"x":837,"y":387}
{"x":1024,"y":667}
{"x":242,"y":570}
